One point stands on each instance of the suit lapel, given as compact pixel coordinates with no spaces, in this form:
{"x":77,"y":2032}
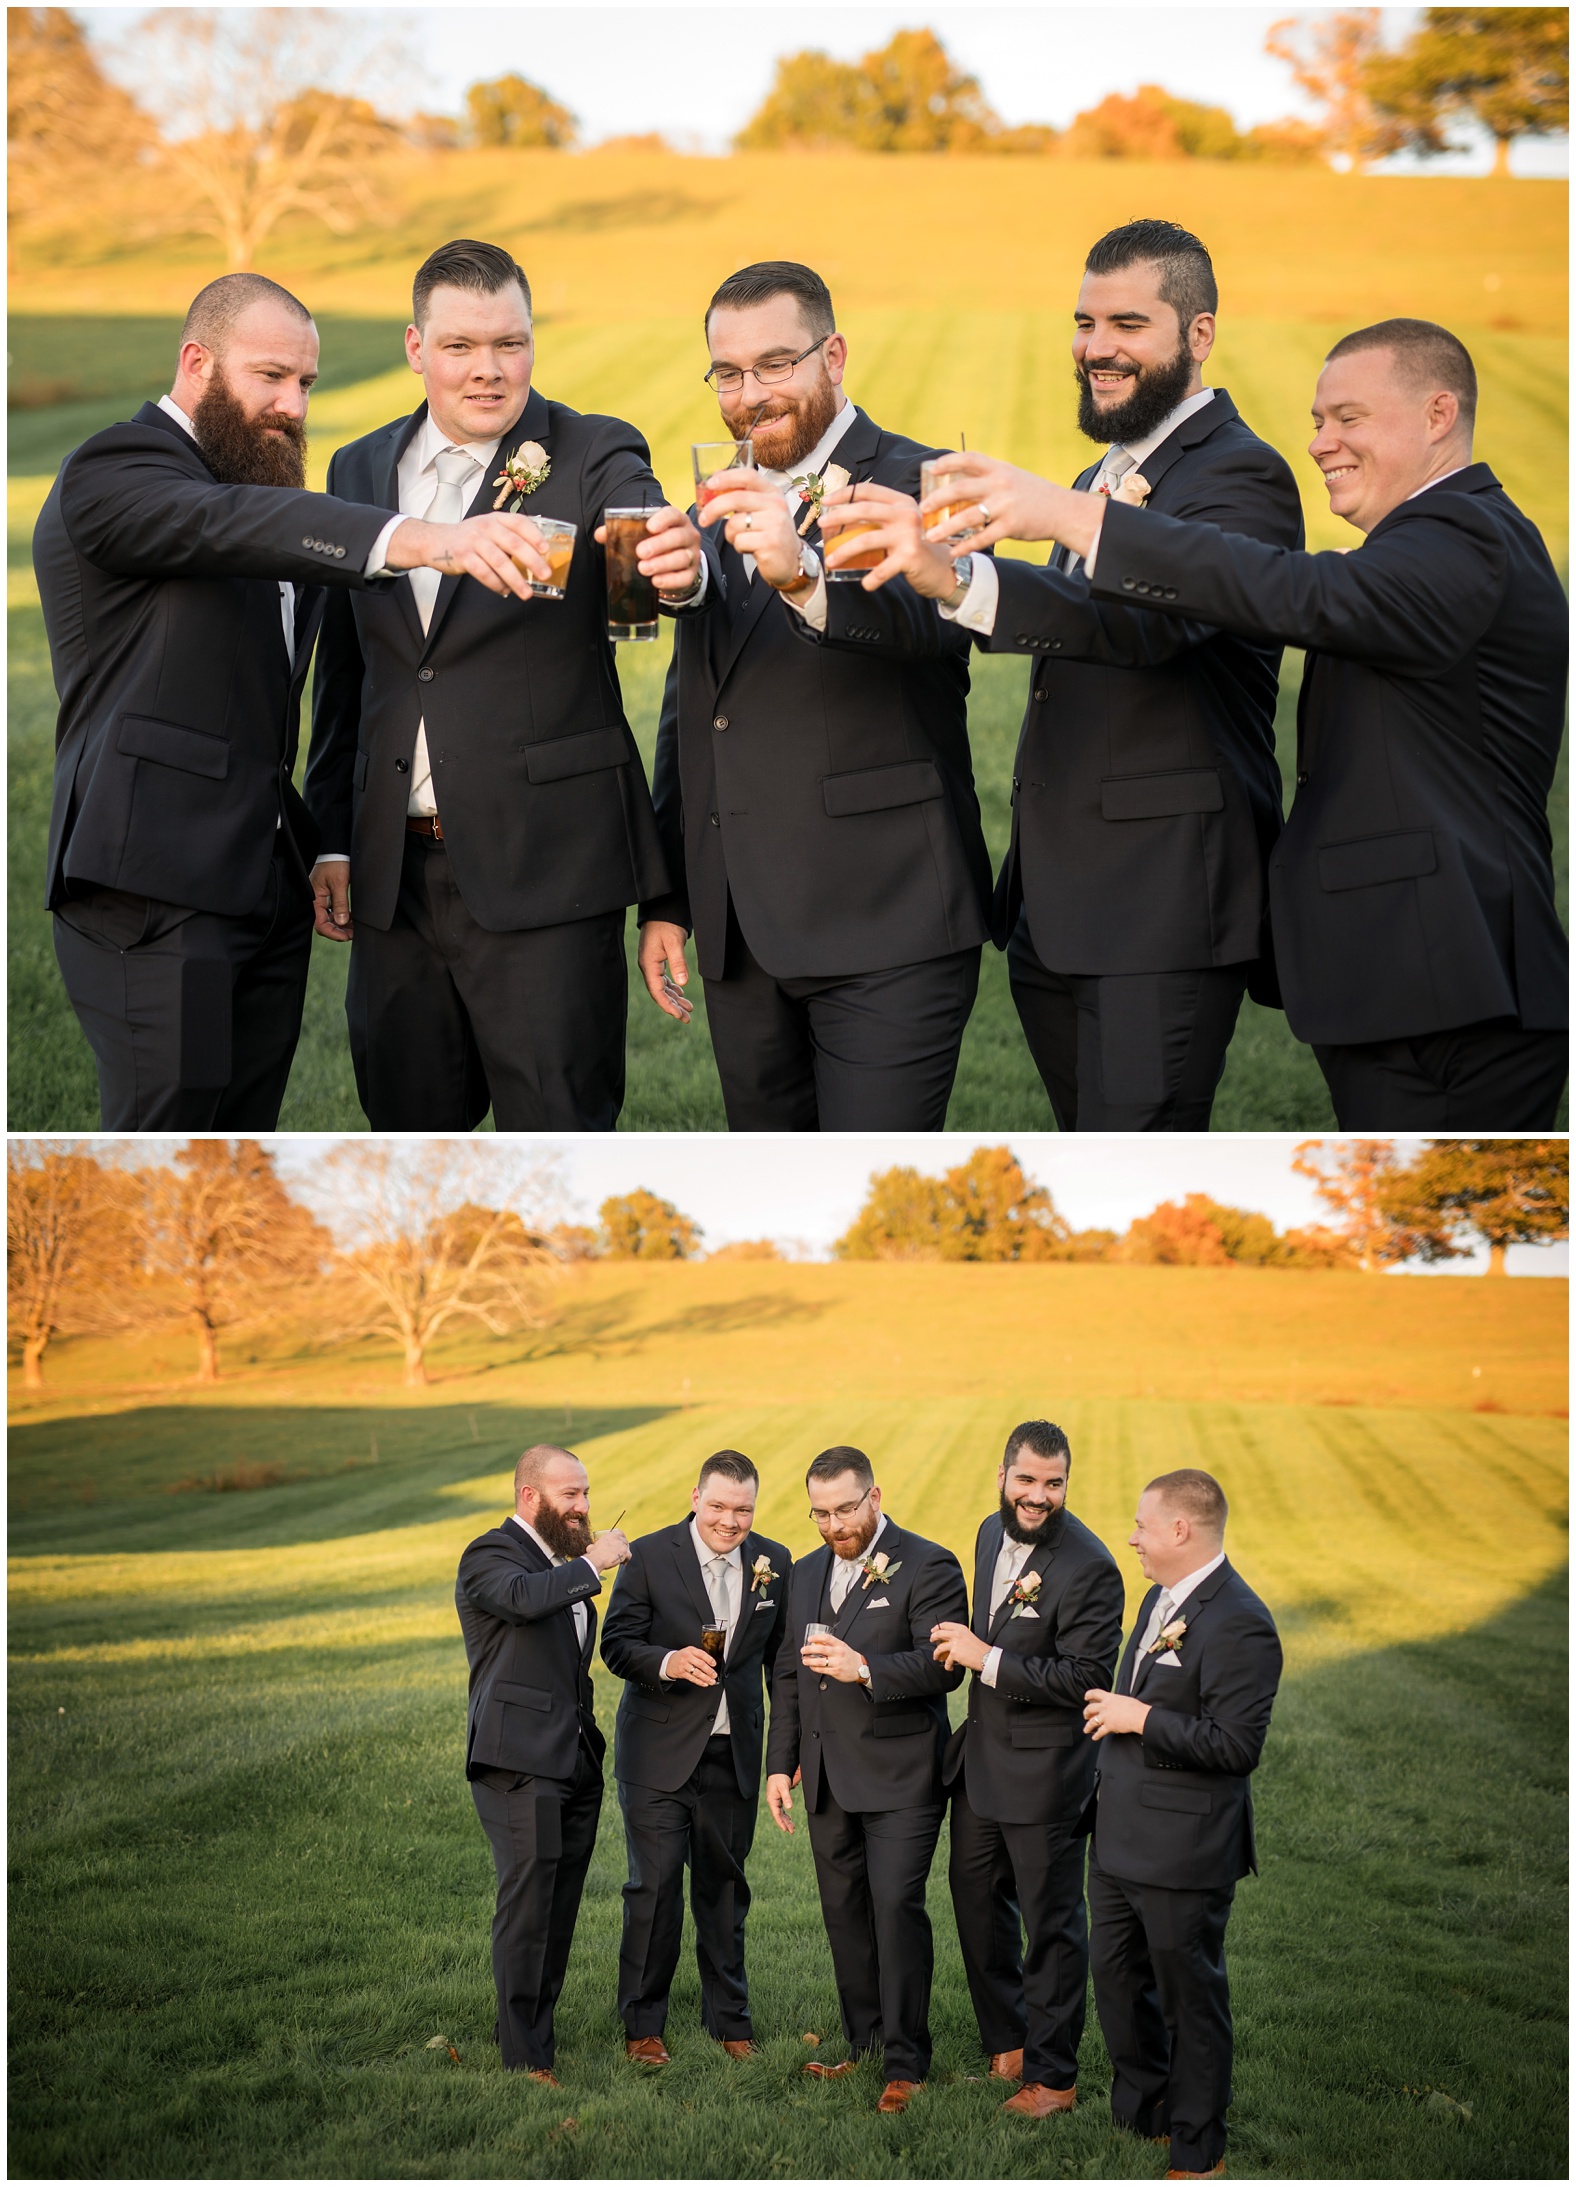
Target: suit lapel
{"x":1129,"y":1670}
{"x":860,"y":1593}
{"x":753,"y":1547}
{"x":985,"y":1573}
{"x":532,"y":424}
{"x":690,"y":1574}
{"x":1038,"y":1560}
{"x":385,"y":492}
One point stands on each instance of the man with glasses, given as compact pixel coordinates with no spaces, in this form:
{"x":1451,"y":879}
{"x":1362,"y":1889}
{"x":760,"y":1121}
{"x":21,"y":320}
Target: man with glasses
{"x":816,"y":802}
{"x":859,"y":1708}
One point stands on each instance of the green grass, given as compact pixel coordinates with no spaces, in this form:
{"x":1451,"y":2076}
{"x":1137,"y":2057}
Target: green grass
{"x":248,"y":1886}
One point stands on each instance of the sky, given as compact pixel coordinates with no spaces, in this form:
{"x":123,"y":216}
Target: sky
{"x":804,"y":1192}
{"x":697,"y":73}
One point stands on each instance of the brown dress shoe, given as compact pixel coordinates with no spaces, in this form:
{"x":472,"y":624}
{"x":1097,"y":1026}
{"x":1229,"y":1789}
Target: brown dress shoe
{"x":737,"y":2047}
{"x":1006,"y":2065}
{"x":1039,"y":2102}
{"x":898,"y":2095}
{"x":647,"y":2050}
{"x":1218,"y":2172}
{"x":540,"y":2073}
{"x":819,"y":2072}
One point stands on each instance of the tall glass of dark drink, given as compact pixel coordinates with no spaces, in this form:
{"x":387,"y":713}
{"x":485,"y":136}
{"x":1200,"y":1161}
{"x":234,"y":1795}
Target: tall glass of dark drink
{"x":631,"y":598}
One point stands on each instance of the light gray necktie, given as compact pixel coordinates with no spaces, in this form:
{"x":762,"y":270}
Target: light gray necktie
{"x":719,"y":1590}
{"x":844,"y":1573}
{"x":1010,"y":1561}
{"x":456,"y":470}
{"x":1111,"y":473}
{"x":1159,"y":1618}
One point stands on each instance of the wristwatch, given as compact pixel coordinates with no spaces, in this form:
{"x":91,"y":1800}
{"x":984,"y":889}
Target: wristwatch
{"x":963,"y":570}
{"x":808,"y":572}
{"x":864,"y":1674}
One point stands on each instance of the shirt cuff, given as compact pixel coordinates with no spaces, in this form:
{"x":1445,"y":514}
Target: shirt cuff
{"x":595,"y":1570}
{"x":813,"y":606}
{"x":662,"y":1668}
{"x":672,"y":601}
{"x":376,"y":566}
{"x":976,"y":610}
{"x":990,"y":1667}
{"x":327,"y":858}
{"x":1089,"y":558}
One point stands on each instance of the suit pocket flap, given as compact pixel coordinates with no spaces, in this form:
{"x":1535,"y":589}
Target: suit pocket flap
{"x":639,"y":1705}
{"x":1181,"y":1799}
{"x":193,"y":750}
{"x":1161,"y":797}
{"x":1377,"y":858}
{"x":582,"y":754}
{"x":523,"y":1697}
{"x":899,"y":1725}
{"x":1050,"y":1731}
{"x":875,"y":789}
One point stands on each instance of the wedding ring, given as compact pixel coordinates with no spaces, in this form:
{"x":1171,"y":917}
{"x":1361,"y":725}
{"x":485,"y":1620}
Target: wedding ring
{"x":748,"y":521}
{"x":984,"y":512}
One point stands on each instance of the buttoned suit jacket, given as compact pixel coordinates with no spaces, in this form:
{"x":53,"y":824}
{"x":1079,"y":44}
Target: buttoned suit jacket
{"x":1021,"y":1753}
{"x":1174,"y":1803}
{"x":1413,"y":888}
{"x":176,"y":741}
{"x":659,"y":1604}
{"x":539,"y":786}
{"x":827,"y":787}
{"x":876,"y":1748}
{"x":530,"y":1676}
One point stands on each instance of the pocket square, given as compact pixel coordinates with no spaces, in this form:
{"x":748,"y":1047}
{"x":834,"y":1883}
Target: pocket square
{"x":760,"y":1606}
{"x":1023,"y":1610}
{"x":1171,"y":1659}
{"x":882,"y":1602}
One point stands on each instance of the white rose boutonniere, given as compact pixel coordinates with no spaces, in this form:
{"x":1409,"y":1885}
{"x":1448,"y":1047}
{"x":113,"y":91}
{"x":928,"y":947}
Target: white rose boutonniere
{"x":522,"y":473}
{"x":814,"y":488}
{"x":762,"y":1575}
{"x":878,"y":1568}
{"x":1025,"y":1589}
{"x":1133,"y":489}
{"x":1170,"y":1637}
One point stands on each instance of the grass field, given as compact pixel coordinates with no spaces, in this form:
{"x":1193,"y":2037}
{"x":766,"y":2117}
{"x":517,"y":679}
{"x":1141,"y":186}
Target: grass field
{"x":248,"y":1887}
{"x":623,"y":252}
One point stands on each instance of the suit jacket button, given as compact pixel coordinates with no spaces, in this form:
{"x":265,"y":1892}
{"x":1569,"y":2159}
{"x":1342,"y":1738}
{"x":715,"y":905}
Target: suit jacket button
{"x":823,"y":1685}
{"x":1039,"y":690}
{"x":307,"y":542}
{"x":1056,"y":645}
{"x":1171,"y":592}
{"x":1301,"y":781}
{"x":721,"y":722}
{"x":339,"y":554}
{"x":716,"y":823}
{"x":425,"y":675}
{"x":1129,"y":585}
{"x":402,"y":766}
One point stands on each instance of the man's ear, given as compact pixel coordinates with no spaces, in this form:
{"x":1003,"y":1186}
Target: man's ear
{"x":1443,"y":414}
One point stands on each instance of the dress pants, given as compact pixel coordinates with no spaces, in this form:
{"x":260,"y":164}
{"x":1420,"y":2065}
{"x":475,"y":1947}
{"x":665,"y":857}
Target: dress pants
{"x":542,"y":1831}
{"x":192,"y":1016}
{"x":872,"y":1051}
{"x":871,"y":1871}
{"x":1487,"y":1077}
{"x":445,"y":1015}
{"x":1160,"y":1989}
{"x":1032,"y":2000}
{"x":709,"y":1823}
{"x":1128,"y":1051}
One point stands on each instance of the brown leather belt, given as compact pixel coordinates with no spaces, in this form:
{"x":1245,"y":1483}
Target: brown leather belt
{"x":425,"y":824}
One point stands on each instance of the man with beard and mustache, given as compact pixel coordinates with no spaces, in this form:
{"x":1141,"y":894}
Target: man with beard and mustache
{"x":1047,"y":1626}
{"x":181,"y":567}
{"x":859,"y":1708}
{"x":1146,"y":793}
{"x":533,"y":1753}
{"x":816,"y":798}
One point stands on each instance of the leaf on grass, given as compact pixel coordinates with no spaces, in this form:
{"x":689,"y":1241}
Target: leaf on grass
{"x":438,"y":2042}
{"x":812,"y":2038}
{"x":564,"y":2126}
{"x":1446,"y":2107}
{"x":454,"y":2054}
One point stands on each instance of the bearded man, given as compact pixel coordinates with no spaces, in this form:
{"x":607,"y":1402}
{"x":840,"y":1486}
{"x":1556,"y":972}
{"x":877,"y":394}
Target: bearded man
{"x":812,"y":784}
{"x":533,"y":1752}
{"x":182,"y":569}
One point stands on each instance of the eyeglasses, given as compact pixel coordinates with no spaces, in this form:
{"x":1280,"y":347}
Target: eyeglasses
{"x":842,"y":1514}
{"x":728,"y":379}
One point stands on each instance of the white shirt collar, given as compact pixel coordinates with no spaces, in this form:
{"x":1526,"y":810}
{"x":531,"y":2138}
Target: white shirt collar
{"x":735,"y":1556}
{"x":172,"y":409}
{"x":821,"y":454}
{"x":1433,"y":482}
{"x":1142,"y":450}
{"x":1182,"y":1588}
{"x":869,"y":1549}
{"x":432,"y":440}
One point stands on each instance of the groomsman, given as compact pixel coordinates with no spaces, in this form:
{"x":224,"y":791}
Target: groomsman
{"x":1146,"y":791}
{"x":1179,"y":1739}
{"x":477,"y":789}
{"x":687,"y":1748}
{"x":1416,"y":934}
{"x":816,"y":797}
{"x":859,"y":1709}
{"x":533,"y":1752}
{"x":181,"y":567}
{"x":1047,"y":1626}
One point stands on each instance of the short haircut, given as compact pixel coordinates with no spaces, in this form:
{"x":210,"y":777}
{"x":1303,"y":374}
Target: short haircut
{"x":1043,"y":1437}
{"x":1198,"y":1496}
{"x":213,"y":311}
{"x":733,"y":1466}
{"x":779,"y":277}
{"x":1428,"y":357}
{"x":1187,"y":274}
{"x":481,"y":267}
{"x":840,"y":1459}
{"x":531,"y":1464}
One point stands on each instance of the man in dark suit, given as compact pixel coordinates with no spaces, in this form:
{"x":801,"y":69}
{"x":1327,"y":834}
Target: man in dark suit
{"x":859,"y":1708}
{"x":687,"y":1750}
{"x":1412,"y":893}
{"x":816,"y":799}
{"x":182,"y":568}
{"x":533,"y":1752}
{"x":1146,"y":791}
{"x":1047,"y":1626}
{"x":1173,"y":1830}
{"x":473,"y":777}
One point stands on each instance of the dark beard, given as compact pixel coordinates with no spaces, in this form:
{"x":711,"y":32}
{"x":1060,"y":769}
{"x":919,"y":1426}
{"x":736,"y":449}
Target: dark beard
{"x":565,"y":1532}
{"x":1017,"y":1533}
{"x":1154,"y":393}
{"x":803,"y":426}
{"x":244,"y":451}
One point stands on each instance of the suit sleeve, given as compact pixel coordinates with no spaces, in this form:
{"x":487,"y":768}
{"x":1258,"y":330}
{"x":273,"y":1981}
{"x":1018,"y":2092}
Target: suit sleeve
{"x":501,"y":1585}
{"x":138,"y":512}
{"x":336,"y":717}
{"x":667,"y":800}
{"x":1237,"y":1686}
{"x":937,"y":1595}
{"x":627,"y":1648}
{"x":618,"y":474}
{"x":1087,"y":1639}
{"x":782,"y":1739}
{"x":1414,"y":601}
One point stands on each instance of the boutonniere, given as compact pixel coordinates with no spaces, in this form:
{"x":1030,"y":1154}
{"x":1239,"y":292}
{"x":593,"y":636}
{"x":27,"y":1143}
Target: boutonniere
{"x":763,"y":1575}
{"x":1023,"y":1593}
{"x":522,"y":473}
{"x":814,"y":487}
{"x":1133,"y":489}
{"x":1170,"y":1637}
{"x":878,"y":1568}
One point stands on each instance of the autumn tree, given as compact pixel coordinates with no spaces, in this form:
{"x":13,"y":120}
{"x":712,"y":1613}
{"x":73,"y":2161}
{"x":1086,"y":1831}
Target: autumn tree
{"x":748,"y":1249}
{"x":906,"y":96}
{"x":1352,"y":1177}
{"x":899,"y":1221}
{"x":1507,"y":69}
{"x":1331,"y":57}
{"x":1177,"y":1234}
{"x":510,"y":111}
{"x":637,"y":1226}
{"x":69,"y":1244}
{"x":1504,"y":1191}
{"x":70,"y":131}
{"x":985,"y":1209}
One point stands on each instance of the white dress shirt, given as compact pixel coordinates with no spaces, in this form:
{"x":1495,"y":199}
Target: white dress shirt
{"x":578,"y":1608}
{"x":728,"y":1585}
{"x":977,"y":608}
{"x":813,"y":606}
{"x":1167,"y":1603}
{"x":1011,"y":1558}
